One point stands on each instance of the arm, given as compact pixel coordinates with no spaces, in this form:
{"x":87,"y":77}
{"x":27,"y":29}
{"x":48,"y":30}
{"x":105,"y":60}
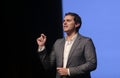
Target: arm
{"x":43,"y":54}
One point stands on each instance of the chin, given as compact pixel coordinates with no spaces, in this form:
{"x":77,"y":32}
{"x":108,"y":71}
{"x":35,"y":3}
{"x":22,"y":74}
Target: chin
{"x":65,"y":31}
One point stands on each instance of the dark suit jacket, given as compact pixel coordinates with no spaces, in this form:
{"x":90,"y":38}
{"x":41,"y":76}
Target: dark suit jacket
{"x":81,"y":61}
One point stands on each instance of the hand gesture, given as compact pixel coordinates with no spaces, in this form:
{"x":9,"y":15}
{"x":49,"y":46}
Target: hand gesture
{"x":41,"y":40}
{"x":62,"y":71}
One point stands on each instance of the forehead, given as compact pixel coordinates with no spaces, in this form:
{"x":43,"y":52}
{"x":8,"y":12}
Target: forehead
{"x":69,"y":17}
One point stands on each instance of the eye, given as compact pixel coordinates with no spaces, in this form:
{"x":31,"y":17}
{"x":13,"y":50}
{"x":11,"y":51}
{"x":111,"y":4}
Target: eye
{"x":68,"y":20}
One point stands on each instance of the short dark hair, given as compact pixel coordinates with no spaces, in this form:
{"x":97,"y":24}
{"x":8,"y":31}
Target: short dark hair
{"x":77,"y":19}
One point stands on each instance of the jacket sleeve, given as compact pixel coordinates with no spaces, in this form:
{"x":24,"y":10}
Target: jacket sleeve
{"x":47,"y":59}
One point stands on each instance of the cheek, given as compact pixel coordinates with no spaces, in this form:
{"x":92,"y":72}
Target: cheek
{"x":71,"y":26}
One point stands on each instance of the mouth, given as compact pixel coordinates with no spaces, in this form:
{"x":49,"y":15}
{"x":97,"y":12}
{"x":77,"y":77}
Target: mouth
{"x":65,"y":26}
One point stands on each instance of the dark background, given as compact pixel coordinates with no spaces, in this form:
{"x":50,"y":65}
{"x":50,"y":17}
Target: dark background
{"x":25,"y":21}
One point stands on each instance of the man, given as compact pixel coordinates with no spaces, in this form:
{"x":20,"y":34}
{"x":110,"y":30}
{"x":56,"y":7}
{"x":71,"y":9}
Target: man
{"x":73,"y":56}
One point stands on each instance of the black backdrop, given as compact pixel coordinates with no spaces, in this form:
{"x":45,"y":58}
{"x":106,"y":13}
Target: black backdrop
{"x":25,"y":21}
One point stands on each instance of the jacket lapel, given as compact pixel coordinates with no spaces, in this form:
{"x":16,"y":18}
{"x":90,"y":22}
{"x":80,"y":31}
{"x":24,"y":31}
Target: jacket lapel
{"x":76,"y":42}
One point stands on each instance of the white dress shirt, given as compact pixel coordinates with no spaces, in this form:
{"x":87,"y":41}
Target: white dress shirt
{"x":67,"y":48}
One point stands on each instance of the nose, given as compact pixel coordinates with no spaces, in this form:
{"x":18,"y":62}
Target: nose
{"x":64,"y":23}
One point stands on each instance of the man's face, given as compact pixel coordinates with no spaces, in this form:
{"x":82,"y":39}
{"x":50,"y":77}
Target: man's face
{"x":69,"y":24}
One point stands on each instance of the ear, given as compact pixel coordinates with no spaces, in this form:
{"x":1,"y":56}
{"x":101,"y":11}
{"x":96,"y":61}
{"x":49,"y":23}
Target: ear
{"x":77,"y":25}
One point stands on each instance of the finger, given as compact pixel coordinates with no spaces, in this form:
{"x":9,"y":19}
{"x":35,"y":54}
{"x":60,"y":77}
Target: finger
{"x":38,"y":39}
{"x":43,"y":36}
{"x":58,"y":68}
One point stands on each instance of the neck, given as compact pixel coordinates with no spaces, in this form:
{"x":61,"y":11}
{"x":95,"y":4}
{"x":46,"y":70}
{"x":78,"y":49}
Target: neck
{"x":70,"y":35}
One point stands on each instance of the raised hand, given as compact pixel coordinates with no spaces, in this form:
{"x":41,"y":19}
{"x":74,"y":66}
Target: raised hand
{"x":41,"y":40}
